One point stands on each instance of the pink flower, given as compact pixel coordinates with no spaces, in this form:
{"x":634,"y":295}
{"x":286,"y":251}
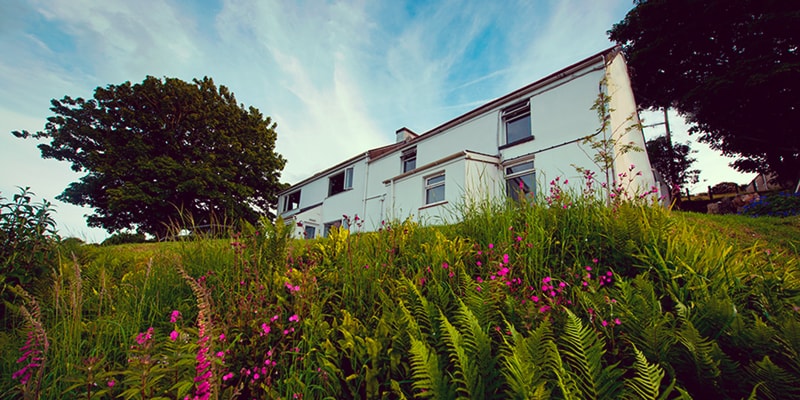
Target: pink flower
{"x":479,"y":279}
{"x":173,"y":318}
{"x":445,"y":265}
{"x":479,"y":263}
{"x":535,"y":299}
{"x":227,"y":376}
{"x":491,"y":245}
{"x":111,"y":383}
{"x":617,"y":321}
{"x":478,"y":288}
{"x":265,"y":328}
{"x":220,"y":354}
{"x":173,"y":335}
{"x":222,"y":337}
{"x":519,"y":238}
{"x":604,"y":323}
{"x":505,"y":258}
{"x":588,"y":268}
{"x":503,"y":271}
{"x":546,"y":279}
{"x":294,"y":318}
{"x":274,"y":318}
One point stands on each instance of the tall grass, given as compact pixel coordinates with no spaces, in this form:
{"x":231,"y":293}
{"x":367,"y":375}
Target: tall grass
{"x":560,"y":297}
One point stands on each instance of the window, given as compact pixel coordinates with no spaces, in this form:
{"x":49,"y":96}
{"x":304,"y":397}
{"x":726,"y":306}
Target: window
{"x":340,"y":182}
{"x":327,"y":228}
{"x":520,"y":180}
{"x":291,"y":201}
{"x":310,"y":232}
{"x":409,"y":159}
{"x":434,"y":189}
{"x":517,"y":121}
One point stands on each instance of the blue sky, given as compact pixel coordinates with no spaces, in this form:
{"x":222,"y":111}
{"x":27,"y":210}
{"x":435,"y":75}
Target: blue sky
{"x":337,"y":77}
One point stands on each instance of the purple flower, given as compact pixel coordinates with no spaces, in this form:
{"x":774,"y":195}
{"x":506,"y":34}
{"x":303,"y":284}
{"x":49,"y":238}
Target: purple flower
{"x":173,"y":318}
{"x":173,"y":335}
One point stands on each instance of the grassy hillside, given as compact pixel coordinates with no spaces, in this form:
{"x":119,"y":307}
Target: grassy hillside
{"x":567,"y":299}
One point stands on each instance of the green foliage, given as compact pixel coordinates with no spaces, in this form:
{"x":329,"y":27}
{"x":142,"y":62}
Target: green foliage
{"x":28,"y":243}
{"x":719,"y":63}
{"x":162,"y":149}
{"x":775,"y":205}
{"x":672,"y":161}
{"x":123,"y":238}
{"x":526,"y":301}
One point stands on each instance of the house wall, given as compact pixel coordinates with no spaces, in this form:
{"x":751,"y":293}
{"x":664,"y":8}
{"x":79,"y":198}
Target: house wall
{"x":561,"y":115}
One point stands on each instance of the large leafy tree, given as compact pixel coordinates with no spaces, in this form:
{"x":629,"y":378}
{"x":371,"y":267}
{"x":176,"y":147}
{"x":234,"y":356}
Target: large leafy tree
{"x":672,"y":161}
{"x":162,"y":150}
{"x":732,"y":68}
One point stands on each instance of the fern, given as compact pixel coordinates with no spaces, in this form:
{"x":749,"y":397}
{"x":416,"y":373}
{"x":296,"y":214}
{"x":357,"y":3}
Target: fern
{"x":425,"y":372}
{"x":464,"y":374}
{"x":774,"y":382}
{"x":583,"y":353}
{"x":699,"y":348}
{"x":647,"y":382}
{"x":529,"y":362}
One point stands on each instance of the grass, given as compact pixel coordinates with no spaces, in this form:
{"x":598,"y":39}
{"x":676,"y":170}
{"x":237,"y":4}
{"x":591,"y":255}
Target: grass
{"x":565,"y":298}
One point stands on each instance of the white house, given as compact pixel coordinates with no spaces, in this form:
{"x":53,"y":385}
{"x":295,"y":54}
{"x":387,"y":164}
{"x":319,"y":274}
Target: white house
{"x":530,"y":135}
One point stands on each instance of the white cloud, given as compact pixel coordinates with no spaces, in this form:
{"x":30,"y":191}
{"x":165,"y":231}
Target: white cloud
{"x":338,"y":77}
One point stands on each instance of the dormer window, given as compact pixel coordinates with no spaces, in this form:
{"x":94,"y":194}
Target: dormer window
{"x":517,"y":122}
{"x":409,"y":159}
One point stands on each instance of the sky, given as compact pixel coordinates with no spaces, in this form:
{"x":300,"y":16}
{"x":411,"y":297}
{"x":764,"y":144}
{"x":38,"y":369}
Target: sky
{"x":338,"y":77}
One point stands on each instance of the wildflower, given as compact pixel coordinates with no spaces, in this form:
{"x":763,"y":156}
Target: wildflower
{"x":366,"y":266}
{"x":294,"y":318}
{"x":274,"y":318}
{"x":566,"y":181}
{"x":479,"y":279}
{"x":535,"y":299}
{"x":220,"y":354}
{"x":503,"y":271}
{"x":256,"y":376}
{"x":588,"y":268}
{"x":111,"y":383}
{"x":227,"y":376}
{"x":519,"y":238}
{"x":265,"y":328}
{"x":491,"y":245}
{"x":505,"y":258}
{"x":479,"y":263}
{"x":174,"y":316}
{"x":478,"y":288}
{"x":604,"y":323}
{"x":173,"y":335}
{"x":445,"y":265}
{"x":617,"y":321}
{"x":546,"y":279}
{"x":143,"y":337}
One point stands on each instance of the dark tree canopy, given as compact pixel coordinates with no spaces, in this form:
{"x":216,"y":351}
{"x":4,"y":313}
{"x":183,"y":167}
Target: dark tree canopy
{"x":673,"y":164}
{"x":160,"y":150}
{"x":732,"y":68}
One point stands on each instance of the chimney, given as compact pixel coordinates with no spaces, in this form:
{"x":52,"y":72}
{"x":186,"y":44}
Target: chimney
{"x":404,"y":134}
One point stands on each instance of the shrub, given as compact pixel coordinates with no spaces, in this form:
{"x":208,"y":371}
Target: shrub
{"x":781,"y":204}
{"x":27,"y":238}
{"x":124,"y":238}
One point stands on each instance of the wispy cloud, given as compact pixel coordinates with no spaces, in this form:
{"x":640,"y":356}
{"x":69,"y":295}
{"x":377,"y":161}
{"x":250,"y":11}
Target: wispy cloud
{"x":338,"y":77}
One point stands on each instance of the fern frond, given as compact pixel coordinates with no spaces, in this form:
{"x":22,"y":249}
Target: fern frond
{"x":583,"y":353}
{"x":646,"y":383}
{"x":529,"y":361}
{"x":700,"y":350}
{"x":425,"y":372}
{"x":774,"y":382}
{"x":462,"y":363}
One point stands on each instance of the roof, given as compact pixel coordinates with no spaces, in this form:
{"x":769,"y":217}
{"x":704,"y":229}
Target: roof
{"x":380,"y":152}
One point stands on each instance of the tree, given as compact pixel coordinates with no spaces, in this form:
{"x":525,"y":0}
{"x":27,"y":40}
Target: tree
{"x":160,"y":150}
{"x":673,"y":164}
{"x":732,"y":68}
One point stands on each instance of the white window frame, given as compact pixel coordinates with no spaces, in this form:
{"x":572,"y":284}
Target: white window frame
{"x":288,"y":203}
{"x":406,"y":157}
{"x":511,"y":175}
{"x":347,"y":181}
{"x":429,"y":186}
{"x":306,"y":227}
{"x":514,"y":113}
